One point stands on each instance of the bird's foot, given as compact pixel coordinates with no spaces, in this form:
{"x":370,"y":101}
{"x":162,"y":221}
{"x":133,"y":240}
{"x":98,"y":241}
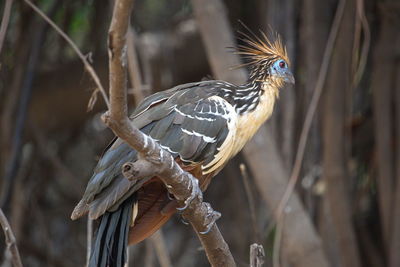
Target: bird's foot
{"x":211,"y":217}
{"x":184,"y":221}
{"x":194,"y":192}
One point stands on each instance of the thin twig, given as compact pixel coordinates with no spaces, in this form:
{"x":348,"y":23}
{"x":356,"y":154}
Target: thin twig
{"x":276,"y":252}
{"x":306,"y":128}
{"x":22,"y":108}
{"x":4,"y":22}
{"x":250,"y":198}
{"x":366,"y":43}
{"x":133,"y":67}
{"x":257,"y":255}
{"x":10,"y":240}
{"x":157,"y":239}
{"x":148,"y":254}
{"x":54,"y":159}
{"x":89,"y":237}
{"x":85,"y":62}
{"x":313,"y":107}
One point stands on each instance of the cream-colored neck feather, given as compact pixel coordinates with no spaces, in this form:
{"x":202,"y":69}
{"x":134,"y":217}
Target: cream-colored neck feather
{"x":242,"y":127}
{"x":249,"y":123}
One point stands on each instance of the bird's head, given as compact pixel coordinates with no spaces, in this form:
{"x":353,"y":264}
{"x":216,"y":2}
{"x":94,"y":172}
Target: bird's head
{"x":268,"y":60}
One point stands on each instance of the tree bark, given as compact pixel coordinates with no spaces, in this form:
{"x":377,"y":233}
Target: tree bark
{"x":394,"y":255}
{"x":381,"y":84}
{"x":301,"y":243}
{"x":314,"y":26}
{"x":284,"y":116}
{"x":315,"y":22}
{"x":217,"y":35}
{"x":334,"y":141}
{"x":10,"y":240}
{"x":385,"y":58}
{"x":181,"y":184}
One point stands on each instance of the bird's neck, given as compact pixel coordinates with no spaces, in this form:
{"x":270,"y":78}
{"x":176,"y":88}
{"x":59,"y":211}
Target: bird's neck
{"x":248,"y":96}
{"x":250,"y":119}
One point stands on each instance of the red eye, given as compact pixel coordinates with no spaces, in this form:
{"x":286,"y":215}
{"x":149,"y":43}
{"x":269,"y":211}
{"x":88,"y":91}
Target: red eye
{"x":282,"y":64}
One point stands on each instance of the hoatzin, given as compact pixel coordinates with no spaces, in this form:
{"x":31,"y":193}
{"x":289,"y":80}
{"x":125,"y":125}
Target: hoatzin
{"x":203,"y":125}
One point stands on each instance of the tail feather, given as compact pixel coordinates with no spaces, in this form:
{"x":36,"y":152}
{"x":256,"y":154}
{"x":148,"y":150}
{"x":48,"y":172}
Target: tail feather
{"x":112,"y":237}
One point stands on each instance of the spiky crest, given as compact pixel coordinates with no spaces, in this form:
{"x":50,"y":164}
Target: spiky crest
{"x":258,"y":50}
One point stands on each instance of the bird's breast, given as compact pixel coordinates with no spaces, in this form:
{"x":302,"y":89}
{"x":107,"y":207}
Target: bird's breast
{"x":250,"y":122}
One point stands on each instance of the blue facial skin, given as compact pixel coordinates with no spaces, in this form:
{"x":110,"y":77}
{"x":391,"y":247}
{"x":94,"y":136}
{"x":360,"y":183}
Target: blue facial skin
{"x":281,"y":69}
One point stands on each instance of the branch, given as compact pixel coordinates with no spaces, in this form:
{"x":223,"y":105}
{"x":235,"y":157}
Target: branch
{"x":257,"y":255}
{"x":89,"y":234}
{"x":157,"y":239}
{"x":182,"y":185}
{"x":85,"y":62}
{"x":251,"y":202}
{"x":270,"y":174}
{"x":10,"y":240}
{"x":5,"y":21}
{"x":312,"y":108}
{"x":22,"y":104}
{"x":133,"y":66}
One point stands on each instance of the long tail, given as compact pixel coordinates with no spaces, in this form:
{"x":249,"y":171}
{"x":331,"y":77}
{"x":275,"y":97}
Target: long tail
{"x":110,"y":247}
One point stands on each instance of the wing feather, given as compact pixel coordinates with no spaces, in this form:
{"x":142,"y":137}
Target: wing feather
{"x":190,"y":121}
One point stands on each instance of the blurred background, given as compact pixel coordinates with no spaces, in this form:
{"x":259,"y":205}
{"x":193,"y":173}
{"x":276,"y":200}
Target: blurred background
{"x":345,"y":208}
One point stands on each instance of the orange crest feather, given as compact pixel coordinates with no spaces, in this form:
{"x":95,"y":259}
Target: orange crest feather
{"x":258,"y":49}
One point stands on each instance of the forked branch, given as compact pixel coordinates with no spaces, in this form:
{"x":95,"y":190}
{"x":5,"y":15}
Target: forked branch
{"x":181,"y":184}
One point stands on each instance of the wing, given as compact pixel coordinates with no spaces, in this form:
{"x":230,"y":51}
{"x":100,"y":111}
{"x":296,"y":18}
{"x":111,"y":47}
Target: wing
{"x":198,"y":132}
{"x":190,"y":121}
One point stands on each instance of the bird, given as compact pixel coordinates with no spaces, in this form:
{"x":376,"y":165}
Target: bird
{"x":202,"y":125}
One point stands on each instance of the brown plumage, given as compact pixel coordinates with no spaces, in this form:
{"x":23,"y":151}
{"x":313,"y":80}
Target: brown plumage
{"x":202,"y":125}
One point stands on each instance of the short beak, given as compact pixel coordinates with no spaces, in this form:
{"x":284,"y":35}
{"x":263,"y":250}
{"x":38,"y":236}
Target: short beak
{"x":289,"y":78}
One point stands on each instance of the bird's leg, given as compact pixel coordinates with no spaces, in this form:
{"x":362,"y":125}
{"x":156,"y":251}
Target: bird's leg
{"x":156,"y":162}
